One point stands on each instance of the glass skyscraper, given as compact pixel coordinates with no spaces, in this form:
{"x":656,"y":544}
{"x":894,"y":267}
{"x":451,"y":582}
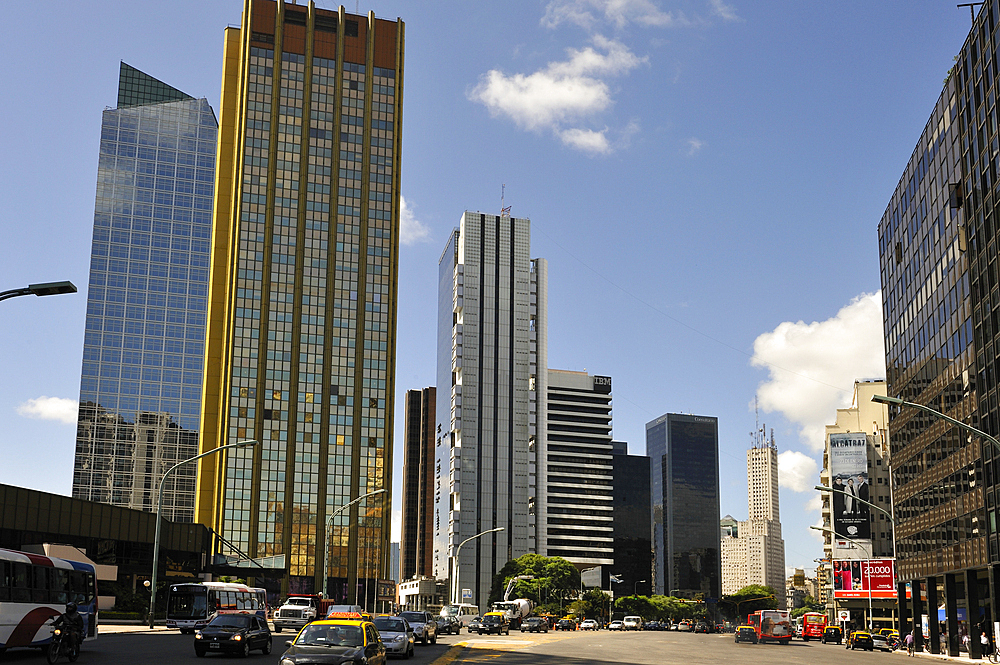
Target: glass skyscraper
{"x":301,"y":342}
{"x":143,"y":353}
{"x":684,"y":484}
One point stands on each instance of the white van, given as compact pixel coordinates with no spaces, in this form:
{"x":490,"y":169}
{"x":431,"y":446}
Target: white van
{"x":632,"y":623}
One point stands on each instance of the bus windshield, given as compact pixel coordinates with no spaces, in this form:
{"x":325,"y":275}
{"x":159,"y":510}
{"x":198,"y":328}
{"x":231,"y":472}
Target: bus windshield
{"x":187,"y":605}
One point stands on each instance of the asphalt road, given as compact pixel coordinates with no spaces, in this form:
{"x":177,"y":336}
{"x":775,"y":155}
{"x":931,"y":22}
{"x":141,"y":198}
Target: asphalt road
{"x":657,"y":648}
{"x":119,"y":645}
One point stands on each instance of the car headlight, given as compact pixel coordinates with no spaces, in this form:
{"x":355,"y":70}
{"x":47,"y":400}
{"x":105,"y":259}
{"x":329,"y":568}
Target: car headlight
{"x":198,"y":635}
{"x":57,"y":632}
{"x":287,"y":661}
{"x":237,"y":638}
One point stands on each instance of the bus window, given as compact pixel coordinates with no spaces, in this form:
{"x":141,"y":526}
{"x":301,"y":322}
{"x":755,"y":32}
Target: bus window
{"x":242,"y":601}
{"x":21,"y":588}
{"x":39,"y":585}
{"x":58,"y":586}
{"x":5,"y":580}
{"x":80,"y":590}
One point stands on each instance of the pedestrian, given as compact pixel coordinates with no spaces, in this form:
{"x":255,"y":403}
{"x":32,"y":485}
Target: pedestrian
{"x":909,"y":644}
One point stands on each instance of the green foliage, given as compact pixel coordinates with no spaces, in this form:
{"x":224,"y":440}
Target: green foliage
{"x":809,"y":604}
{"x":747,"y":600}
{"x":232,"y":580}
{"x":553,"y":579}
{"x":660,"y":608}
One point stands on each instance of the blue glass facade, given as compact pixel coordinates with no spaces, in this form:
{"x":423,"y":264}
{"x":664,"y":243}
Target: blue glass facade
{"x":140,"y":390}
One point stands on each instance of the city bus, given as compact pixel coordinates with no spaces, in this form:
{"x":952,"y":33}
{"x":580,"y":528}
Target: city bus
{"x":771,"y":626}
{"x":191,"y":606}
{"x":464,"y":611}
{"x":35,"y":589}
{"x":813,"y":625}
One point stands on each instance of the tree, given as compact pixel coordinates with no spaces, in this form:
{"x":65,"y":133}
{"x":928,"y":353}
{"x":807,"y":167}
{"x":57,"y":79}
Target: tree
{"x":552,"y":578}
{"x":748,"y":600}
{"x":809,"y":604}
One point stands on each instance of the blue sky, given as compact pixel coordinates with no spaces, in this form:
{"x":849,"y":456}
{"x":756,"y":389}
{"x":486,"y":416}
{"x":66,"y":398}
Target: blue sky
{"x":705,"y":178}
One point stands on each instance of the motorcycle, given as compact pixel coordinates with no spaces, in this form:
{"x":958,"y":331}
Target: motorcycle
{"x":60,"y":646}
{"x":894,"y":642}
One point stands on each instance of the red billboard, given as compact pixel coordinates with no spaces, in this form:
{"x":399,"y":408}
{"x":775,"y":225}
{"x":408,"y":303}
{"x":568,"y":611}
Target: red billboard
{"x":874,"y":578}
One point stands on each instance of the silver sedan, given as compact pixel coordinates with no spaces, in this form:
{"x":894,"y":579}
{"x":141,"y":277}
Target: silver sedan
{"x":397,"y":636}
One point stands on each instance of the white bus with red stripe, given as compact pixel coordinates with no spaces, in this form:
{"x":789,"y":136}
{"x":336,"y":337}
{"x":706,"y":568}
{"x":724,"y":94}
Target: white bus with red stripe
{"x":34,"y":590}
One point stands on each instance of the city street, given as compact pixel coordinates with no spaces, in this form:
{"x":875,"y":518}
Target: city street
{"x":119,"y":644}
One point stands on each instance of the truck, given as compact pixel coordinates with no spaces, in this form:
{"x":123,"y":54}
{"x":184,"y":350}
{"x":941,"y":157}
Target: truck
{"x":515,"y":610}
{"x":298,"y":610}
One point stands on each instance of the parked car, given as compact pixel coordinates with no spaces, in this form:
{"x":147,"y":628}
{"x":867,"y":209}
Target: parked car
{"x":860,"y":639}
{"x":880,"y":642}
{"x":535,"y":625}
{"x":746,"y":634}
{"x":615,"y":625}
{"x":832,"y":634}
{"x":233,"y":633}
{"x":423,"y":624}
{"x":588,"y":624}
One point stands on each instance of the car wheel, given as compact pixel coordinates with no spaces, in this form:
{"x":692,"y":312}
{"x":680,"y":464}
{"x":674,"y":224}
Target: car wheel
{"x":434,"y":640}
{"x":246,"y":649}
{"x":200,"y":653}
{"x":266,"y":649}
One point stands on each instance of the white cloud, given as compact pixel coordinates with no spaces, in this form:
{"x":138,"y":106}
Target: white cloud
{"x":562,"y":92}
{"x":694,"y":146}
{"x":814,"y":504}
{"x":410,"y":228}
{"x":586,"y":140}
{"x":813,"y":366}
{"x":616,"y":12}
{"x":797,"y":471}
{"x":818,"y":535}
{"x":724,"y":11}
{"x":60,"y":409}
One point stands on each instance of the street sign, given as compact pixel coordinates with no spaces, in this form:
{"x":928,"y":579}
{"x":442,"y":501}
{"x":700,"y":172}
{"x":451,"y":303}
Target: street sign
{"x":843,"y":615}
{"x":466,"y":594}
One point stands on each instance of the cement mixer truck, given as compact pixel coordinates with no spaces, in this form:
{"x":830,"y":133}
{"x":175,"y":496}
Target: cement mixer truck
{"x":515,"y":610}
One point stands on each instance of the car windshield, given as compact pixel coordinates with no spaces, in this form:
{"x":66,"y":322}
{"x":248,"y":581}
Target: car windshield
{"x":390,"y":625}
{"x":342,"y":636}
{"x":230,"y":621}
{"x":492,"y":619}
{"x":298,"y":601}
{"x":413,"y":617}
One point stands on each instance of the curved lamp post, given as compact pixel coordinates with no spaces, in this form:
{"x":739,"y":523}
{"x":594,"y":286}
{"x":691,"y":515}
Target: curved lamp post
{"x":43,"y":289}
{"x":159,"y":508}
{"x":329,"y":528}
{"x":895,"y":401}
{"x":454,"y":590}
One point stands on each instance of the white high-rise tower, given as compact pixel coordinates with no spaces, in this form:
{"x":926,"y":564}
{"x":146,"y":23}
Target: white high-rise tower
{"x":756,"y":554}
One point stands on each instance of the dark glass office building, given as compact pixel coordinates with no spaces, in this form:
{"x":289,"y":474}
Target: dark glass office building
{"x":416,"y":544}
{"x":143,"y":352}
{"x":633,"y":549}
{"x":683,"y":454}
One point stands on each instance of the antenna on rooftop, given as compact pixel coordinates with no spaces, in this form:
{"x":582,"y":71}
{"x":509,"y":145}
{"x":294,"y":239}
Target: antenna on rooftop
{"x":972,"y":8}
{"x":504,"y":212}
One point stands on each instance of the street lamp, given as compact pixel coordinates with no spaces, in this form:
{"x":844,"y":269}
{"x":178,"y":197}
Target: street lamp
{"x":43,"y":289}
{"x":159,"y":508}
{"x":883,"y":399}
{"x":861,"y":545}
{"x":329,"y":528}
{"x":454,"y":570}
{"x":635,"y":586}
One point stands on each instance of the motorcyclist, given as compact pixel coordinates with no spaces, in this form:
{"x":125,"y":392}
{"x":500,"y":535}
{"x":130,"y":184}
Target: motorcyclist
{"x":72,"y":623}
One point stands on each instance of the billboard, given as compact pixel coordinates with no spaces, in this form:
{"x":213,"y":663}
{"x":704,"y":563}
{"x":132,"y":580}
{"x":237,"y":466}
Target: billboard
{"x":849,"y":478}
{"x":859,"y":579}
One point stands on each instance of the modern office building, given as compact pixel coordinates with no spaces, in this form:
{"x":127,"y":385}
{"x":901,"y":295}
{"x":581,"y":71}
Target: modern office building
{"x":684,"y":485}
{"x":301,"y":342}
{"x":416,"y":543}
{"x":576,"y":514}
{"x":143,"y":348}
{"x":491,"y":366}
{"x":633,"y":547}
{"x":937,"y":251}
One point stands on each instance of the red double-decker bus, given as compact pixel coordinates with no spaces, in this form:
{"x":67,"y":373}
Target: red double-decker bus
{"x":771,"y":626}
{"x":813,"y":625}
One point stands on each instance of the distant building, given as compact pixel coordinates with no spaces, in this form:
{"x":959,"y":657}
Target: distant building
{"x":575,"y":507}
{"x":684,"y":487}
{"x":856,"y":462}
{"x":143,"y":349}
{"x":633,"y":545}
{"x":416,"y":543}
{"x":394,"y":563}
{"x":491,"y":368}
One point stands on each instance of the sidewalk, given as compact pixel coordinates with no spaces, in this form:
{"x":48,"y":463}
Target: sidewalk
{"x":964,"y":658}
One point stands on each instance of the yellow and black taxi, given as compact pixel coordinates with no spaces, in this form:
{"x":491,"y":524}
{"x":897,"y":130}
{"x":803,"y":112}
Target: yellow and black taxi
{"x":745,"y":634}
{"x":343,"y":637}
{"x":832,"y":634}
{"x":860,"y":639}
